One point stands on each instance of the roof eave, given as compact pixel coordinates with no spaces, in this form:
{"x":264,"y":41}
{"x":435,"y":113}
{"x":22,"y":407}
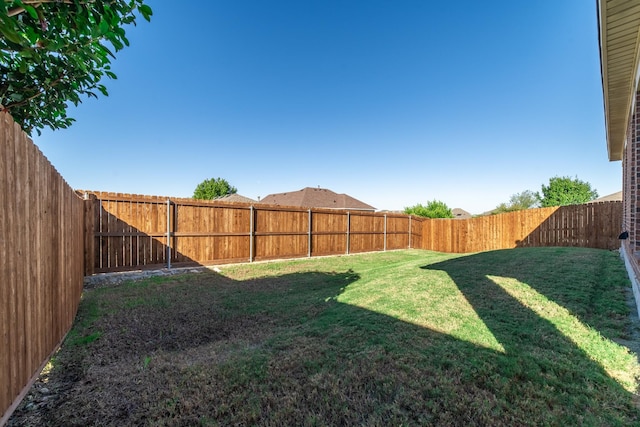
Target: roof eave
{"x":619,"y":57}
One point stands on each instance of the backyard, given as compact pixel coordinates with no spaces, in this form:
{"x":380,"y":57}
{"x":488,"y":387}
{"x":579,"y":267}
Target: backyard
{"x":528,"y":336}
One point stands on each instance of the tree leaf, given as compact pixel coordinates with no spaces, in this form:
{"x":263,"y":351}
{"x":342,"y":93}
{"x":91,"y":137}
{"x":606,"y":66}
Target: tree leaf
{"x":145,"y":11}
{"x":45,"y":69}
{"x":31,"y":11}
{"x":10,"y":33}
{"x":103,"y":27}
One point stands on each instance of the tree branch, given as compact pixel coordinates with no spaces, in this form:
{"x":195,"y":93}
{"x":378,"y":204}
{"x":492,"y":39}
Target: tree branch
{"x":35,"y":3}
{"x":32,"y":97}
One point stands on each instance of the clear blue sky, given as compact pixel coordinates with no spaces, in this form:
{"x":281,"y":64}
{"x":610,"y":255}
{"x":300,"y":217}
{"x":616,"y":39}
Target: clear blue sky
{"x":392,"y":102}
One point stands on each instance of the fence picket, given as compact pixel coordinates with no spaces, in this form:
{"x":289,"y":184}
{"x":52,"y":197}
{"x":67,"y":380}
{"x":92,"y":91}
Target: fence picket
{"x":42,"y":252}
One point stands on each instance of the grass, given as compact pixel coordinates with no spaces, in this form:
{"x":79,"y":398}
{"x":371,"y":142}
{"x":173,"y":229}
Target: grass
{"x":527,"y":336}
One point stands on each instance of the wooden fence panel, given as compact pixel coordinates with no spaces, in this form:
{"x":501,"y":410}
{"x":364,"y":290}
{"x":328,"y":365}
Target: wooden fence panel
{"x":208,"y":234}
{"x":594,"y":225}
{"x":329,"y":233}
{"x":149,"y":222}
{"x":397,"y":232}
{"x":366,"y":232}
{"x":42,"y":252}
{"x":189,"y":219}
{"x":129,"y":233}
{"x":426,"y":237}
{"x":159,"y":229}
{"x":416,"y":232}
{"x":437,"y":234}
{"x":281,"y":233}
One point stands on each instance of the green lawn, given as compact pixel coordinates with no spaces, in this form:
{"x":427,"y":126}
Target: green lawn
{"x":514,"y":337}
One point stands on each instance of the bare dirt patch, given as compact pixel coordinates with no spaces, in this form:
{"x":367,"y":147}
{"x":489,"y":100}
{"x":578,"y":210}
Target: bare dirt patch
{"x":132,"y":349}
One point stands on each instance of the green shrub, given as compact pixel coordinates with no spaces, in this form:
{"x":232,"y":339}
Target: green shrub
{"x":433,"y":209}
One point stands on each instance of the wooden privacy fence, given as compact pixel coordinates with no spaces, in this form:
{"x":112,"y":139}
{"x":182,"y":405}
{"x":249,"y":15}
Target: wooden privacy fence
{"x":591,"y":225}
{"x":41,"y":252}
{"x":132,"y":231}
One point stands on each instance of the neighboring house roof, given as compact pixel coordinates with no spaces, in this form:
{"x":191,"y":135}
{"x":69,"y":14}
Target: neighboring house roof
{"x":235,"y":198}
{"x":619,"y":34}
{"x":614,"y":197}
{"x":460,"y":213}
{"x":310,"y":197}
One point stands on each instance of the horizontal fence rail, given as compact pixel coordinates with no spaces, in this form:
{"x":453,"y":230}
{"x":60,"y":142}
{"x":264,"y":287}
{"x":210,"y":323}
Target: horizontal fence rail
{"x":41,"y":259}
{"x":133,"y":231}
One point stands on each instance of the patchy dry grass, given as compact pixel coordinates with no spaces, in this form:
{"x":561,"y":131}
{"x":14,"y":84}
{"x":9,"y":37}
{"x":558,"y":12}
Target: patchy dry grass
{"x":517,"y":337}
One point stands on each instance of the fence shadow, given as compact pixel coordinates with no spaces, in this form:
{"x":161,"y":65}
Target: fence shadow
{"x":130,"y":236}
{"x":119,"y":246}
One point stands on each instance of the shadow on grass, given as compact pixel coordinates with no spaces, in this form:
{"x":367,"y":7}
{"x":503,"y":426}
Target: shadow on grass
{"x":208,"y":350}
{"x":581,"y":280}
{"x":210,"y":308}
{"x":552,"y":322}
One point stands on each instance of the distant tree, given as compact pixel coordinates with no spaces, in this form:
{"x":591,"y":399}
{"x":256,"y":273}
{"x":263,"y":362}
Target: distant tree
{"x":211,"y":188}
{"x":519,"y":201}
{"x":433,"y":209}
{"x":52,"y":52}
{"x":566,"y":191}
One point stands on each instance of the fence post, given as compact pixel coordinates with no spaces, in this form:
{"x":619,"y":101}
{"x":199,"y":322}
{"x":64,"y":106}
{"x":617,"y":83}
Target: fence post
{"x":251,"y":233}
{"x":385,"y":232}
{"x":348,"y":227}
{"x":168,"y":233}
{"x":409,"y":231}
{"x":309,"y":240}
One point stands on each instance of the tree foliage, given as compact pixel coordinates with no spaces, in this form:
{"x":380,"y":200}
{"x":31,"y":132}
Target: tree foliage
{"x":519,"y":201}
{"x":566,"y":191}
{"x":53,"y":52}
{"x":433,"y":209}
{"x":211,"y":188}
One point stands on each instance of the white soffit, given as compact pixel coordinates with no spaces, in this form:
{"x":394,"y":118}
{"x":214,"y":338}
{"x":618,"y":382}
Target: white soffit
{"x":619,"y":25}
